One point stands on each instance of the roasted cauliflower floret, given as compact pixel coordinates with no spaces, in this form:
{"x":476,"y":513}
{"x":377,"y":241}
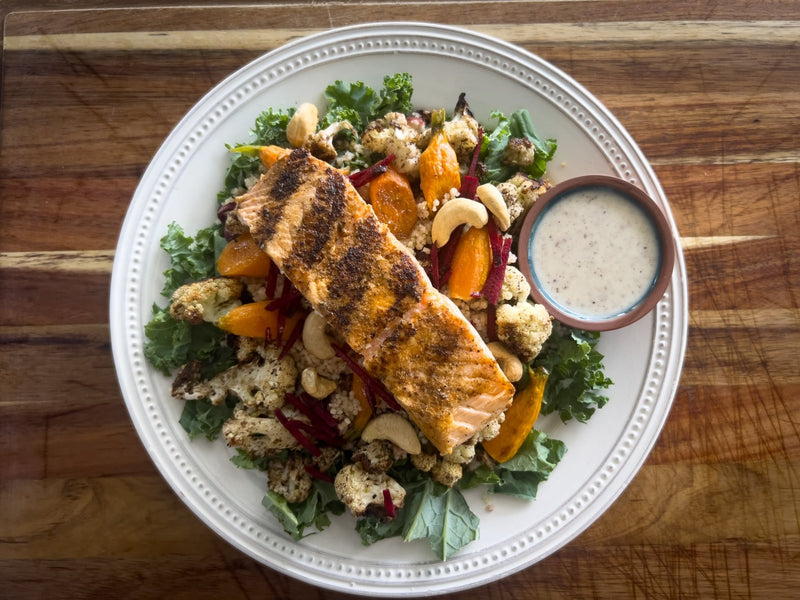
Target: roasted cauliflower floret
{"x":321,"y":143}
{"x":447,"y":472}
{"x":256,"y":435}
{"x":520,"y":192}
{"x":462,"y":131}
{"x":461,"y":454}
{"x":515,"y":287}
{"x":519,"y":152}
{"x":262,"y":382}
{"x":362,"y":491}
{"x":205,"y":300}
{"x":375,"y":456}
{"x":424,"y":462}
{"x":289,"y":478}
{"x":393,"y":135}
{"x":523,"y":328}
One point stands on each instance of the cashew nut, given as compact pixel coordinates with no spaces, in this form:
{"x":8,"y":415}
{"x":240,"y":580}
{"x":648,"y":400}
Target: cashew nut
{"x":302,"y":124}
{"x":315,"y":340}
{"x":493,"y":199}
{"x":454,"y":213}
{"x":315,"y":384}
{"x":394,"y":428}
{"x":509,"y":364}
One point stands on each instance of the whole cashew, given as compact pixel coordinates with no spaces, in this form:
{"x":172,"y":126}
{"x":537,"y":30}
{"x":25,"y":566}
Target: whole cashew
{"x":315,"y":340}
{"x":458,"y":211}
{"x":493,"y":199}
{"x":316,"y":385}
{"x":509,"y":364}
{"x":394,"y":428}
{"x":302,"y":124}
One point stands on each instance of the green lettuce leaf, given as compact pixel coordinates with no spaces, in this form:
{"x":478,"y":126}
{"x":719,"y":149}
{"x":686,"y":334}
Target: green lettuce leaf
{"x":270,"y":127}
{"x":532,"y":464}
{"x":576,"y":374}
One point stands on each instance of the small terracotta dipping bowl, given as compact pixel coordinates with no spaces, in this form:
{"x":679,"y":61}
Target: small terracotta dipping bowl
{"x":645,"y":297}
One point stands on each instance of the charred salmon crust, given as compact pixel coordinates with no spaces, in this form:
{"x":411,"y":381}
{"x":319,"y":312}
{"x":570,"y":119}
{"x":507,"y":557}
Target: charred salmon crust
{"x":323,"y":236}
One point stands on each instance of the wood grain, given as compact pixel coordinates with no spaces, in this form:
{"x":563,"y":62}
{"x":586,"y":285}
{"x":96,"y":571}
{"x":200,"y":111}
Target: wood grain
{"x":707,"y":89}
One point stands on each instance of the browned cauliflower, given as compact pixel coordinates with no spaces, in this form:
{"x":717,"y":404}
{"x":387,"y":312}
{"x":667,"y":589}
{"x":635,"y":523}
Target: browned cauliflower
{"x":462,"y":131}
{"x":205,"y":300}
{"x":256,"y":435}
{"x":519,"y":152}
{"x":261,"y":382}
{"x":515,"y":287}
{"x":393,"y":135}
{"x":321,"y":143}
{"x":523,"y":328}
{"x":288,"y":478}
{"x":362,"y":492}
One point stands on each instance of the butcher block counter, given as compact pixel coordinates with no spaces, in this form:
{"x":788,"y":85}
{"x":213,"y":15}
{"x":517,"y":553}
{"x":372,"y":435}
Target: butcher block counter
{"x":710,"y":91}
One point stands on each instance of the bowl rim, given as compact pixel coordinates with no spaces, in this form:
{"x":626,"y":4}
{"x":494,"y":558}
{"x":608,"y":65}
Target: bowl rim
{"x":663,"y":232}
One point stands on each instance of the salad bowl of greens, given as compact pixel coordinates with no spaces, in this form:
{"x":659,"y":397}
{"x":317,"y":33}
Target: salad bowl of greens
{"x":593,"y":434}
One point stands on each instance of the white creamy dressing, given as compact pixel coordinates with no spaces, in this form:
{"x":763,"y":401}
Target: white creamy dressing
{"x":594,"y":252}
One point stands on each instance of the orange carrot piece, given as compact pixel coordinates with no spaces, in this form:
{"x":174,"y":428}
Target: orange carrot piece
{"x":242,"y":257}
{"x":519,"y":420}
{"x":393,"y":202}
{"x":471,"y":262}
{"x":269,"y":155}
{"x":438,"y":164}
{"x":253,"y":319}
{"x":364,"y":412}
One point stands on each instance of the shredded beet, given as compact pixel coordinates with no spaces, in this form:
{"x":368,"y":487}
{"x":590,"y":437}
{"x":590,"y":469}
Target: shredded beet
{"x":364,"y":176}
{"x":293,"y":426}
{"x":322,"y":424}
{"x":293,"y":337}
{"x":272,"y":280}
{"x":317,"y":474}
{"x":501,"y":248}
{"x":491,"y":322}
{"x":435,"y":265}
{"x":375,"y":386}
{"x":391,"y":510}
{"x":445,"y":255}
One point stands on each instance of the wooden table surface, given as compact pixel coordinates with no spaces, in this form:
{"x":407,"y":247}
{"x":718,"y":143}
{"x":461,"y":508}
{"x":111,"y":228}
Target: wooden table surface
{"x":709,"y":90}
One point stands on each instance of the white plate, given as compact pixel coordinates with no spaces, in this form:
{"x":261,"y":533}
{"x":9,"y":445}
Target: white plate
{"x":181,"y":185}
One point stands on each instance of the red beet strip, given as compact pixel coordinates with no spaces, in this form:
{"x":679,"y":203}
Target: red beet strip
{"x":364,"y":176}
{"x":391,"y":510}
{"x":369,"y":381}
{"x":293,"y":337}
{"x":292,"y":425}
{"x":435,"y":265}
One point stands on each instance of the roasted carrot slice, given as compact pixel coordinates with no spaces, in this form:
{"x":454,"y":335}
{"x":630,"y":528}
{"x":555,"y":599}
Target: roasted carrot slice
{"x":269,"y":155}
{"x":520,"y":418}
{"x":438,"y":164}
{"x":364,"y":412}
{"x":471,"y":262}
{"x":393,"y":202}
{"x":242,"y":257}
{"x":253,"y":320}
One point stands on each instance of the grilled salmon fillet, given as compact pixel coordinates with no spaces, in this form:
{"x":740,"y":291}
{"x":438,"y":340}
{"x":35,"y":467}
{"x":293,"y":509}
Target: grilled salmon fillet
{"x":322,"y":235}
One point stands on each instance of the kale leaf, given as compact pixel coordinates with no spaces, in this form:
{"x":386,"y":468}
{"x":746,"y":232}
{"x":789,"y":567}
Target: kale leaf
{"x":192,"y":258}
{"x":532,"y":464}
{"x":312,"y":512}
{"x":519,"y":125}
{"x":576,"y":373}
{"x":359,"y":103}
{"x":202,"y":418}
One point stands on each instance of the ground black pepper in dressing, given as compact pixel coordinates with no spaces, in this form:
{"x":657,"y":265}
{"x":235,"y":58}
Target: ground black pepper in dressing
{"x":594,"y":252}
